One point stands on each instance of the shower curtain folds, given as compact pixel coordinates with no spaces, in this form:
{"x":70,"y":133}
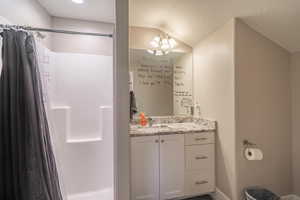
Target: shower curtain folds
{"x":27,"y":164}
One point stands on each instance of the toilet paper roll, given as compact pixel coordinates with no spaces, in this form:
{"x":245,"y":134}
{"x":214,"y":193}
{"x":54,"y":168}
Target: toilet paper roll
{"x":253,"y":154}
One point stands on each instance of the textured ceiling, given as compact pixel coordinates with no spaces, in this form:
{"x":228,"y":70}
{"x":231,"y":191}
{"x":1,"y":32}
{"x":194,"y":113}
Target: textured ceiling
{"x":192,"y":20}
{"x":94,"y":10}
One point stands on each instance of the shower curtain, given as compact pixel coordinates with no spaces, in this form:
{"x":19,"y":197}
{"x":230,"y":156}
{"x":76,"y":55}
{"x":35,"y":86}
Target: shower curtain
{"x":27,"y":164}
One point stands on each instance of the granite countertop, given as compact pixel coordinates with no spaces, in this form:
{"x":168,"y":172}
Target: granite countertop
{"x":168,"y":126}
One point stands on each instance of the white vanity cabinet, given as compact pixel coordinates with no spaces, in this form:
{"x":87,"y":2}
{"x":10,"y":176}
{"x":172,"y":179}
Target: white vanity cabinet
{"x":157,"y":167}
{"x":172,"y":166}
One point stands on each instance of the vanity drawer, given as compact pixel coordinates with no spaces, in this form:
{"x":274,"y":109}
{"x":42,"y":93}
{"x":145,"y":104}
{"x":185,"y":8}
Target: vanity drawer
{"x":197,"y":183}
{"x":200,"y":157}
{"x":200,"y":138}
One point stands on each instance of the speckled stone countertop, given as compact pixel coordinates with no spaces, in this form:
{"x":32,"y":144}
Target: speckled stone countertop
{"x":172,"y":125}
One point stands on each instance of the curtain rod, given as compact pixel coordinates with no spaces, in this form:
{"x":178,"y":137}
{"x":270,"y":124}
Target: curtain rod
{"x":28,"y":28}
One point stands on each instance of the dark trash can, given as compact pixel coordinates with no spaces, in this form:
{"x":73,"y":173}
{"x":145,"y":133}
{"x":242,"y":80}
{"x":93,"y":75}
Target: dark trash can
{"x":204,"y":197}
{"x":258,"y":193}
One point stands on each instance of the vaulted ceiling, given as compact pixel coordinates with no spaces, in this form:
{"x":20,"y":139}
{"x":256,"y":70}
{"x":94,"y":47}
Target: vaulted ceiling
{"x":192,"y":20}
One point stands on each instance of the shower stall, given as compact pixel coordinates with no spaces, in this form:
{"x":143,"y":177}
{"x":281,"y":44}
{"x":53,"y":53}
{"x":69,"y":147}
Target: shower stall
{"x":80,"y":96}
{"x":76,"y":70}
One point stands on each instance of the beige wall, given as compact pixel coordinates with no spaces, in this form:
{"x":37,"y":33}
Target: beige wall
{"x":242,"y":80}
{"x":263,"y":112}
{"x":82,"y":43}
{"x":25,"y":12}
{"x":295,"y":83}
{"x":214,"y":90}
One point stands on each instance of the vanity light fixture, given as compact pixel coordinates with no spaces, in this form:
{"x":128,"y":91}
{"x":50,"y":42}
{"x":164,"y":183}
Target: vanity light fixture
{"x":78,"y":1}
{"x":161,"y":45}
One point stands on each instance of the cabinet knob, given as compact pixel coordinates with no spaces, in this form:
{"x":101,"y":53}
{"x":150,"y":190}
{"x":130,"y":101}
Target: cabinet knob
{"x":156,"y":141}
{"x":200,"y":139}
{"x":162,"y":141}
{"x":201,"y":157}
{"x":201,"y":182}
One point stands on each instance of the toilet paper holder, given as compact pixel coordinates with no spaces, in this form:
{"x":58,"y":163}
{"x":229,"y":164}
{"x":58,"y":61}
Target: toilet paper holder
{"x":250,"y":150}
{"x":246,"y":143}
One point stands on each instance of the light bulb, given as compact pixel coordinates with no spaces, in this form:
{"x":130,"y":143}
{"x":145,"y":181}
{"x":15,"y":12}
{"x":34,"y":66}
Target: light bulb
{"x":150,"y":51}
{"x":172,"y":42}
{"x":157,"y":39}
{"x":164,"y":41}
{"x":165,"y":46}
{"x":154,"y":43}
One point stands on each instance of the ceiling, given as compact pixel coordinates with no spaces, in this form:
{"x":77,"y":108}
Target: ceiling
{"x":192,"y":20}
{"x":93,"y":10}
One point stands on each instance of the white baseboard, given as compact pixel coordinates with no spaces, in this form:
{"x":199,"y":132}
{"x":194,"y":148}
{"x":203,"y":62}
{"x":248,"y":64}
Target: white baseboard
{"x":290,"y":197}
{"x":219,"y":195}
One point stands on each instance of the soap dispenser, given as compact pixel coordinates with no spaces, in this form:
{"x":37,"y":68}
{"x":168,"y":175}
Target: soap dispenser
{"x":197,"y":112}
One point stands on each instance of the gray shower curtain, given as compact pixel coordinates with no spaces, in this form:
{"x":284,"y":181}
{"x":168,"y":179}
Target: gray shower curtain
{"x":27,"y":165}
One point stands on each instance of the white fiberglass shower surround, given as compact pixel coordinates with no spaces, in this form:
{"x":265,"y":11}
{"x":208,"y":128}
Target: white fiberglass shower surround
{"x":78,"y":94}
{"x":80,"y":91}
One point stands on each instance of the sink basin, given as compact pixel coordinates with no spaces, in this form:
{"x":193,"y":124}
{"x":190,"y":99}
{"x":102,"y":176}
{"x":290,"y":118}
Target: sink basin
{"x":159,"y":126}
{"x":154,"y":126}
{"x":186,"y":125}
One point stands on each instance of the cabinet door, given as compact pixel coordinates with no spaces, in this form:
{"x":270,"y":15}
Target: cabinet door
{"x":171,"y":166}
{"x":145,"y":168}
